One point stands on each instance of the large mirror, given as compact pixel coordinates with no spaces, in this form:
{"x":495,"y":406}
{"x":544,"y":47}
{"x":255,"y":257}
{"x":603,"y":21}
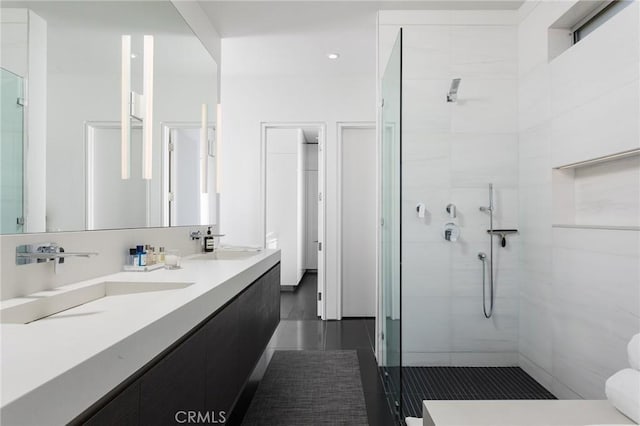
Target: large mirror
{"x":61,"y":118}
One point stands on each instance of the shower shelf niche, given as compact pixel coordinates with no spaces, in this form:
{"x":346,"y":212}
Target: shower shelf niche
{"x":598,"y":194}
{"x":605,"y":227}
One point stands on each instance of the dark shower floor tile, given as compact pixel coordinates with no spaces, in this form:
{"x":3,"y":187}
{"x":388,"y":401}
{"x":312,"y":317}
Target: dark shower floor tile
{"x":451,"y":383}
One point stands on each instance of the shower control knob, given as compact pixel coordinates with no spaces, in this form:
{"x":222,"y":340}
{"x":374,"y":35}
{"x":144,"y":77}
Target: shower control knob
{"x":451,"y":232}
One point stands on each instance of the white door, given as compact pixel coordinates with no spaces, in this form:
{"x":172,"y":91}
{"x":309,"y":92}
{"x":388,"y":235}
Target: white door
{"x":358,"y":218}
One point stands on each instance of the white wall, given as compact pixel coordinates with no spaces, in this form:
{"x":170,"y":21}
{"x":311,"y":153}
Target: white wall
{"x":250,"y":97}
{"x":580,"y":287}
{"x":451,"y":152}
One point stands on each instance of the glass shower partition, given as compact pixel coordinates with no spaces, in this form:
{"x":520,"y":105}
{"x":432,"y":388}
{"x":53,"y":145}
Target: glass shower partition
{"x":391,"y":226}
{"x":11,"y":153}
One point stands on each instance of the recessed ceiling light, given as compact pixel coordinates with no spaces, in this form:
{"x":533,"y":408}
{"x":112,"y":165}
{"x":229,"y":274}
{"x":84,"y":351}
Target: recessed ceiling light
{"x":133,"y":56}
{"x":333,"y":55}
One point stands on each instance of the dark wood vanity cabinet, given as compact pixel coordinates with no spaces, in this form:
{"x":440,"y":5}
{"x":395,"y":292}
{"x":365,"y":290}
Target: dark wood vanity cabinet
{"x":123,"y":410}
{"x":205,"y":371}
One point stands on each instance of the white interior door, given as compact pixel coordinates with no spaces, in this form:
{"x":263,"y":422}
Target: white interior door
{"x":358,"y":218}
{"x":312,"y":220}
{"x":311,"y":213}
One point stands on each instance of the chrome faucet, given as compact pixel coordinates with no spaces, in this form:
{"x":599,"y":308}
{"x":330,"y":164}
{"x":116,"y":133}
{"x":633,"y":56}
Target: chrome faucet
{"x":46,"y":252}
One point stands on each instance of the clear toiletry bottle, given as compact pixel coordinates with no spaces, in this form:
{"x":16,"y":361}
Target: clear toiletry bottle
{"x":149,"y":250}
{"x":161,"y":255}
{"x":132,"y":258}
{"x":208,"y":241}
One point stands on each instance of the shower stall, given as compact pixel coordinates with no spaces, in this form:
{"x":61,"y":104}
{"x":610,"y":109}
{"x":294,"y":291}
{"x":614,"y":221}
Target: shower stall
{"x":449,"y":302}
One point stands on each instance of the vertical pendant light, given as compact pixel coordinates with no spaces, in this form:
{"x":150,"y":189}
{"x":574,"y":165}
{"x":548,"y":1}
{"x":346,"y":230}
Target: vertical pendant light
{"x":125,"y":123}
{"x":218,"y":148}
{"x":147,"y":141}
{"x":204,"y":150}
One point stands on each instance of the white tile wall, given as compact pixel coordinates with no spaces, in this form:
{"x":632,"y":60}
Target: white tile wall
{"x":603,"y":126}
{"x":425,"y":108}
{"x":426,"y":52}
{"x":594,"y":92}
{"x":484,"y":52}
{"x":605,"y":59}
{"x":579,"y":288}
{"x":480,"y":158}
{"x":421,"y":266}
{"x":485,"y":106}
{"x":429,"y":331}
{"x":472,"y":332}
{"x":484,"y":359}
{"x":607,"y":193}
{"x":535,"y":336}
{"x":534,"y":97}
{"x":536,"y":18}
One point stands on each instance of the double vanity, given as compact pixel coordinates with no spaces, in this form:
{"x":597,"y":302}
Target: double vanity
{"x":140,"y":348}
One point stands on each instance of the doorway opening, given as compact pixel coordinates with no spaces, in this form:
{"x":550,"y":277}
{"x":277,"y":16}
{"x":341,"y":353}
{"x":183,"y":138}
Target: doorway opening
{"x":103,"y":183}
{"x":293,"y":158}
{"x":183,"y":202}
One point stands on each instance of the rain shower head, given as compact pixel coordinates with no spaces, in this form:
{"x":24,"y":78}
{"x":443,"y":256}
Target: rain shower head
{"x":452,"y":96}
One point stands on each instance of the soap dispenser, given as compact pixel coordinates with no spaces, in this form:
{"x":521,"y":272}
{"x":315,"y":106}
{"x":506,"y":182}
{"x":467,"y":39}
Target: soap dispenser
{"x":208,"y":241}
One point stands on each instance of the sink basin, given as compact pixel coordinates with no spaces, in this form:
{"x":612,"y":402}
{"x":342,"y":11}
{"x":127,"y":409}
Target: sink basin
{"x":47,"y":303}
{"x":223,"y":254}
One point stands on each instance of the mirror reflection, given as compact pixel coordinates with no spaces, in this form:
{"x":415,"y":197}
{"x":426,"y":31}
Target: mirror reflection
{"x":62,"y":117}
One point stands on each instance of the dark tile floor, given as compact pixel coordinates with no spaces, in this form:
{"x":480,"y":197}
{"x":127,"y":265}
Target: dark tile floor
{"x":454,"y":383}
{"x":301,"y":329}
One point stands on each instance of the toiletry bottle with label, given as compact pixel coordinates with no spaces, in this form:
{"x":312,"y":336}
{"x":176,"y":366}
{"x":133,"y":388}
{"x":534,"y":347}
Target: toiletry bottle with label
{"x":149,"y":250}
{"x":142,"y":256}
{"x":208,"y":241}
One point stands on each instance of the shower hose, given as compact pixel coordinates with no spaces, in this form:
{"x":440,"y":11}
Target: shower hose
{"x":484,"y":286}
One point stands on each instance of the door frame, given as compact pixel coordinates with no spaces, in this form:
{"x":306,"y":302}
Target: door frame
{"x":340,"y":127}
{"x":322,"y":166}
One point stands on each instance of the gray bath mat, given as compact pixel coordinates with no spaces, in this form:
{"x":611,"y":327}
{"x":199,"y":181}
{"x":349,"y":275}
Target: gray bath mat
{"x":309,"y":388}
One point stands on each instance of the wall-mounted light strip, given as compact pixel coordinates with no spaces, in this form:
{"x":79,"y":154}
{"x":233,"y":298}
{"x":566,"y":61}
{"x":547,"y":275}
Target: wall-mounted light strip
{"x":125,"y":97}
{"x":204,"y":150}
{"x":597,"y":160}
{"x":218,"y":148}
{"x":147,"y":138}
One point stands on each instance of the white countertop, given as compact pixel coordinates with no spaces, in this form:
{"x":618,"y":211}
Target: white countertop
{"x":55,"y":368}
{"x":549,"y":412}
